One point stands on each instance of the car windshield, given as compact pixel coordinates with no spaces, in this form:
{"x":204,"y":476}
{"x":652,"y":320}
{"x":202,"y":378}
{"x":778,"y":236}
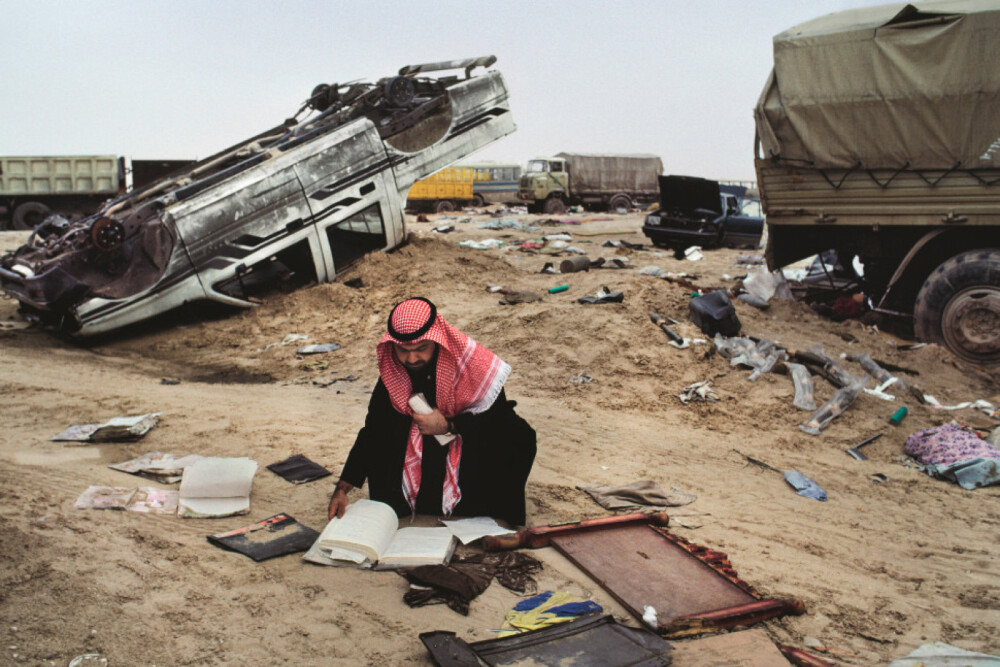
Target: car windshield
{"x":751,"y":207}
{"x":537,"y":165}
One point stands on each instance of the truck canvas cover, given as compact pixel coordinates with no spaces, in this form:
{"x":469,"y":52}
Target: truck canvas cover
{"x":597,"y":173}
{"x":896,"y":86}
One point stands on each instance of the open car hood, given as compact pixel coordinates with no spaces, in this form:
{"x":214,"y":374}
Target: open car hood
{"x":689,"y":193}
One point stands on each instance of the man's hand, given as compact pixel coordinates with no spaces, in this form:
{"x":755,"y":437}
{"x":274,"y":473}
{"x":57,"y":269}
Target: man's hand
{"x":338,"y":502}
{"x":434,"y":423}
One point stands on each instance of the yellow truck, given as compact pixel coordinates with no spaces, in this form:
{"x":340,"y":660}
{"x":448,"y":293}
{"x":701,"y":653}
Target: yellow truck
{"x":474,"y":184}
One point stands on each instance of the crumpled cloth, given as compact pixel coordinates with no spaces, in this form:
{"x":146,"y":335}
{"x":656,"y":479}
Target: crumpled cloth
{"x":461,"y":581}
{"x":699,"y":391}
{"x":545,"y":609}
{"x":957,"y":454}
{"x":637,"y":495}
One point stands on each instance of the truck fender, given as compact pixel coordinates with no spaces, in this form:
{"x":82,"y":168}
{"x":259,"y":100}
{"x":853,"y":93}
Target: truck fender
{"x":901,"y":269}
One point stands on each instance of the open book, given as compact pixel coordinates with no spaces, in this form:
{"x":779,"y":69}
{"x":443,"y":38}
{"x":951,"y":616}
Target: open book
{"x":368,"y":535}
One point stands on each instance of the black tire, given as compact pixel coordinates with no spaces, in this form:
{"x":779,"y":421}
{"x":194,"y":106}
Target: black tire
{"x":679,"y":253}
{"x":29,"y":215}
{"x":399,"y":90}
{"x":444,"y":206}
{"x":620,"y":201}
{"x":959,"y":306}
{"x":554,"y":206}
{"x":478,"y":201}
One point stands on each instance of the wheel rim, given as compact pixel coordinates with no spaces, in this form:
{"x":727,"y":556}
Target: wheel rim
{"x":970,"y":324}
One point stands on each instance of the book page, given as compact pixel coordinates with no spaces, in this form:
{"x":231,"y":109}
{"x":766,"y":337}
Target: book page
{"x":218,"y":477}
{"x":415,"y":545}
{"x":470,"y":530}
{"x":367,"y":526}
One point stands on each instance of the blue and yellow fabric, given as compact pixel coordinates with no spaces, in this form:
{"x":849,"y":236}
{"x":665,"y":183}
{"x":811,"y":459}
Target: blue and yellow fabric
{"x":545,"y":609}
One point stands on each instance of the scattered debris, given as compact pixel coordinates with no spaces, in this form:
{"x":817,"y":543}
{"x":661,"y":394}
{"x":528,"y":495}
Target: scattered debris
{"x":714,"y":313}
{"x":485,"y":244}
{"x":804,"y":486}
{"x":298,"y":469}
{"x":581,"y":378}
{"x":512,"y":297}
{"x":832,"y":409}
{"x":699,"y":391}
{"x":574,"y":264}
{"x":637,"y":496}
{"x":955,"y":453}
{"x":558,"y":288}
{"x":146,"y":499}
{"x":115,"y":429}
{"x":159,"y":466}
{"x":805,"y":398}
{"x":855,"y":451}
{"x":604,"y":295}
{"x":278,"y":535}
{"x":317,"y":349}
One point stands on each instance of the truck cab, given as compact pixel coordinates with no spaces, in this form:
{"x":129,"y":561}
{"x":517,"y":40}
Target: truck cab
{"x":545,"y":180}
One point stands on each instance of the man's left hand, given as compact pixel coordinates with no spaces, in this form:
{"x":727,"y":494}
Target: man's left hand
{"x":434,"y":423}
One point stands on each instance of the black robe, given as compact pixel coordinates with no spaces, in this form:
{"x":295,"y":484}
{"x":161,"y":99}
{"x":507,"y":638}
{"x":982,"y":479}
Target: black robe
{"x":498,"y":449}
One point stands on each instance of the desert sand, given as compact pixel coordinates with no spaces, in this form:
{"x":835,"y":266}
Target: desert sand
{"x":881,"y":567}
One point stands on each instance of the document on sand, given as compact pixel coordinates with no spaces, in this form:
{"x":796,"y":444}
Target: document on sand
{"x":368,"y":535}
{"x":216,"y":486}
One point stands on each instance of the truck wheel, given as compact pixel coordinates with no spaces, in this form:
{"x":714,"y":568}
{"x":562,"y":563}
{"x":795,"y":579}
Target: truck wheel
{"x":554,"y":206}
{"x":29,"y":215}
{"x":444,"y":206}
{"x":619,"y":201}
{"x":478,"y":201}
{"x":959,"y":306}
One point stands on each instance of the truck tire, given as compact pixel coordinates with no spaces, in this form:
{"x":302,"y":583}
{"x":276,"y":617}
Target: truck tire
{"x":554,"y":206}
{"x":959,"y":306}
{"x":478,"y":201}
{"x":29,"y":215}
{"x":620,"y":201}
{"x":444,"y":206}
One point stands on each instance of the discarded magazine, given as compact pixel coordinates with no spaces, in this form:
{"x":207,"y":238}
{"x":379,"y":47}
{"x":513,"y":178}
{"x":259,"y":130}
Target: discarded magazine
{"x":142,"y":499}
{"x":118,"y":428}
{"x":159,"y":466}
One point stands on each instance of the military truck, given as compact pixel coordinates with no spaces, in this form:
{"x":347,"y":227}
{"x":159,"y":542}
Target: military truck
{"x":597,"y":182}
{"x":308,"y":197}
{"x":878,"y":136}
{"x":73,"y":186}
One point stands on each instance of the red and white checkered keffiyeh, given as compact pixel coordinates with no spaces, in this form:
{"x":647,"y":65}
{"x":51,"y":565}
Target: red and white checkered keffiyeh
{"x":469,"y":378}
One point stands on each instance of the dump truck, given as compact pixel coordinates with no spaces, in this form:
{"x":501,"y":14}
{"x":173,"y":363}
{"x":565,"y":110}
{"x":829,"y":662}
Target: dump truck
{"x":306,"y":198}
{"x":597,"y":182}
{"x":467,"y":184}
{"x":878,"y":137}
{"x":73,"y":186}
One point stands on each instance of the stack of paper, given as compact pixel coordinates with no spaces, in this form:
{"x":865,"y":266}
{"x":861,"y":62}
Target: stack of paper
{"x":216,"y":486}
{"x":159,"y":466}
{"x":118,"y":428}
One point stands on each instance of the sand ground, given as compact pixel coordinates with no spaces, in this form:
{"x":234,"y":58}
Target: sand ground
{"x":881,"y":567}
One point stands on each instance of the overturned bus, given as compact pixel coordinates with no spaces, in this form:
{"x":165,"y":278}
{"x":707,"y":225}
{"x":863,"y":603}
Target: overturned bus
{"x":310,"y":195}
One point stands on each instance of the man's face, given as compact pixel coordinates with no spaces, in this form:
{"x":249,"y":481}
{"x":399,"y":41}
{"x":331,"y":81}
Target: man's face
{"x":415,"y":356}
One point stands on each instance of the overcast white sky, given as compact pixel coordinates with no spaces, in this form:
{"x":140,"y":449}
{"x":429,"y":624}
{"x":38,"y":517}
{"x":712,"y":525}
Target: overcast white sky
{"x":183,"y":79}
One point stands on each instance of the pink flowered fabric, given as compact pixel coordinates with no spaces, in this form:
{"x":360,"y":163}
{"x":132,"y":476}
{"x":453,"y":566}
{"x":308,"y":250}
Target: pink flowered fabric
{"x":948,"y":444}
